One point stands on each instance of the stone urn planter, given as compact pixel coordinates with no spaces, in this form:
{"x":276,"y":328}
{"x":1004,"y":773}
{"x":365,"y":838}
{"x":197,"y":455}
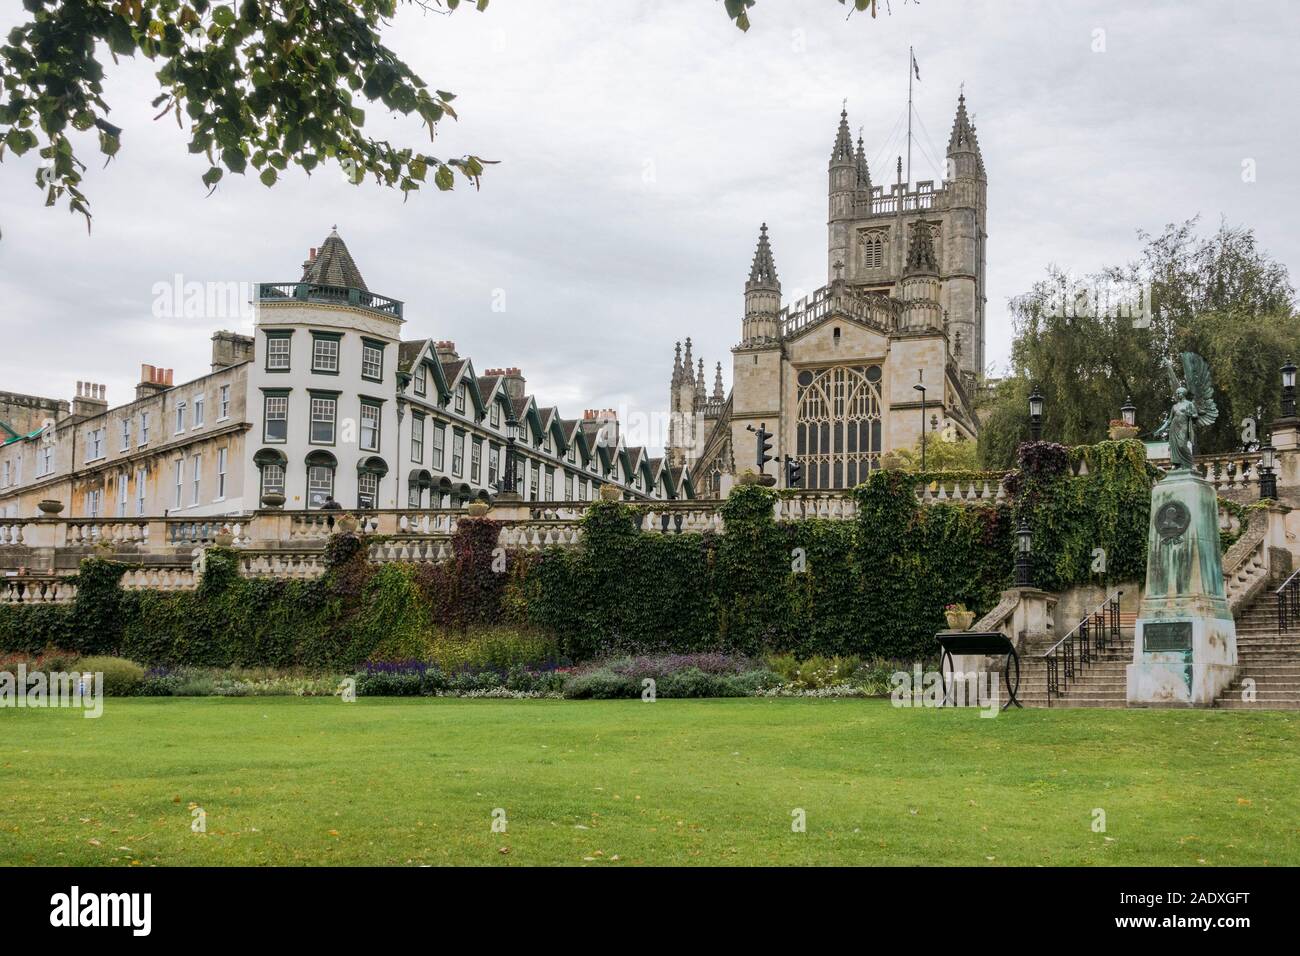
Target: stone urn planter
{"x":225,"y":537}
{"x":1123,"y":432}
{"x":273,"y":499}
{"x":50,"y":506}
{"x":748,"y":477}
{"x":477,"y":509}
{"x":959,"y":619}
{"x":610,"y":493}
{"x":347,"y":523}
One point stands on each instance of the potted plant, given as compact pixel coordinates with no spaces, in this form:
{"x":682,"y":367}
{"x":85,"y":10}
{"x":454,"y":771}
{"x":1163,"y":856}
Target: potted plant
{"x":50,"y":506}
{"x":225,"y":537}
{"x":610,"y":493}
{"x":348,"y":523}
{"x":273,"y":499}
{"x":477,"y":509}
{"x":959,"y":619}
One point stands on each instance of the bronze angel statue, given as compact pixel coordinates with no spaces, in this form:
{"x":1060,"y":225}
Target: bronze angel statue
{"x":1193,"y":406}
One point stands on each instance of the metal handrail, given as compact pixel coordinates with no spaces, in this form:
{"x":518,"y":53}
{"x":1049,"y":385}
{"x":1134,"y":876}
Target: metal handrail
{"x":1115,"y":596}
{"x":1061,"y":668}
{"x":1288,"y":601}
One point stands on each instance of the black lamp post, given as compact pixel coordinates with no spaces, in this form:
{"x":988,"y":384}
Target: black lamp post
{"x":1035,"y":415}
{"x":510,"y":480}
{"x":1128,"y":412}
{"x":1288,"y":389}
{"x":1267,"y":472}
{"x":921,"y":389}
{"x":1024,"y":547}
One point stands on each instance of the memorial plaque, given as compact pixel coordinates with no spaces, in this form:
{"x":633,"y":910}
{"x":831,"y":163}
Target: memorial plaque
{"x":1166,"y":636}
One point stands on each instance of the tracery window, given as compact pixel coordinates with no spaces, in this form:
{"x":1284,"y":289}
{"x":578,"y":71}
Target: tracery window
{"x":837,"y":432}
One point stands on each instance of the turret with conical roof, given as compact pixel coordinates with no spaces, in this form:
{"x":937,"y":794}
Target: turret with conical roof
{"x":762,"y":294}
{"x":964,"y":240}
{"x":844,"y":173}
{"x":332,"y":265}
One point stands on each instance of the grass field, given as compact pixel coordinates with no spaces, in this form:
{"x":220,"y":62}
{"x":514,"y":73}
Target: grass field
{"x":616,"y":783}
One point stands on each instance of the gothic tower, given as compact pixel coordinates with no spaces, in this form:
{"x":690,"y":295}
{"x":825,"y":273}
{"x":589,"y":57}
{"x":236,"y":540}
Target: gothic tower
{"x":757,"y":360}
{"x":964,"y":246}
{"x":762,"y":296}
{"x":682,"y":399}
{"x":844,"y":173}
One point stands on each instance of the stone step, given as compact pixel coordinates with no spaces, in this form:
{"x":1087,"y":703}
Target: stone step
{"x":1238,"y":704}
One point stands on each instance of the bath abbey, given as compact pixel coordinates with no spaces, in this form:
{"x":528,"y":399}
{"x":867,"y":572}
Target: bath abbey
{"x":892,"y":344}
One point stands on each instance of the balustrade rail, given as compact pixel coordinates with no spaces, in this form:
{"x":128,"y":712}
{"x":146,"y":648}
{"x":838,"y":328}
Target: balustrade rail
{"x":1076,"y":650}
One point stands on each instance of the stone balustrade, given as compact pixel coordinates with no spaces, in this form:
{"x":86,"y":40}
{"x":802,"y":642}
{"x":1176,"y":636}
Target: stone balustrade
{"x":36,"y":590}
{"x":163,"y":578}
{"x":987,"y":489}
{"x":281,"y":564}
{"x":12,"y":532}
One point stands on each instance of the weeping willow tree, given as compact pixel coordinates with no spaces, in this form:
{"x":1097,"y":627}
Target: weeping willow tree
{"x":1088,"y":344}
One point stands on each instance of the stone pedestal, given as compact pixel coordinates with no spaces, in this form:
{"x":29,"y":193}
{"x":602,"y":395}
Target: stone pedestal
{"x":1185,"y":650}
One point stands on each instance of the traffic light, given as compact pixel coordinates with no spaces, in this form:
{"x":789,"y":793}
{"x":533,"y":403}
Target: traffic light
{"x":793,"y":473}
{"x":764,"y":444}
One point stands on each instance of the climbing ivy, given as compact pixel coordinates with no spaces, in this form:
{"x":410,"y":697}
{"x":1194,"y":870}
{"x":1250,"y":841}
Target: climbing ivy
{"x":873,"y":586}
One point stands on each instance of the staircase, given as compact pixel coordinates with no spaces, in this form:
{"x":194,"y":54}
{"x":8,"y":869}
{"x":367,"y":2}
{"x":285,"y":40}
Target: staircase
{"x":1100,"y":682}
{"x":1269,"y":658}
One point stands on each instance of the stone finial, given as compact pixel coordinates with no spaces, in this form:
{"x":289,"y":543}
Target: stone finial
{"x":717,"y":383}
{"x":763,"y":268}
{"x":920,"y":256}
{"x":842,"y":152}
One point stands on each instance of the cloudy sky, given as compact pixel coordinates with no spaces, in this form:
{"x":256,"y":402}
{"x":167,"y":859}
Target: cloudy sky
{"x":640,"y":146}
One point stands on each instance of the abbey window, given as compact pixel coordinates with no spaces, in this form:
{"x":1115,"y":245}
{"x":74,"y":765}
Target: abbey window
{"x":838,"y":430}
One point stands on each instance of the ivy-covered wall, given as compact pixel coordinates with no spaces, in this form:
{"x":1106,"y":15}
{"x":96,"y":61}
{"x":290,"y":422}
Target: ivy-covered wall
{"x":873,"y":586}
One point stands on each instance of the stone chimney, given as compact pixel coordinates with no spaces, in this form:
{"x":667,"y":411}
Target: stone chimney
{"x":514,"y":381}
{"x":608,"y":419}
{"x":90,"y":400}
{"x":152,"y":381}
{"x":230,"y":348}
{"x":446,"y":351}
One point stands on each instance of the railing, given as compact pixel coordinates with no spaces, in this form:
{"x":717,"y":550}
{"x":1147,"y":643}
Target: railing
{"x":1226,"y":472}
{"x":984,"y":489}
{"x":340,"y":295}
{"x":1288,"y":602}
{"x":37,"y":590}
{"x":1068,"y":656}
{"x":11,"y":532}
{"x":876,"y":311}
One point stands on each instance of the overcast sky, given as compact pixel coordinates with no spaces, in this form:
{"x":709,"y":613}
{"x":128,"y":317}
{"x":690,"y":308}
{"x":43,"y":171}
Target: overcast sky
{"x":640,"y":146}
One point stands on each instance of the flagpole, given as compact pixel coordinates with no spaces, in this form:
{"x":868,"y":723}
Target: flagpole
{"x":911,"y":59}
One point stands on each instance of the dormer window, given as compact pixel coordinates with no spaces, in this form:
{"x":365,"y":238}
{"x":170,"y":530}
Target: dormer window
{"x":421,"y":379}
{"x":460,"y":398}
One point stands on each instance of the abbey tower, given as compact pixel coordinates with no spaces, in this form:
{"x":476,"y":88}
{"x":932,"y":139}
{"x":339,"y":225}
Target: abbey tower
{"x":833,"y":376}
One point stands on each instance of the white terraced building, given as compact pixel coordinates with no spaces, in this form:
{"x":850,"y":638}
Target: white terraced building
{"x":324,"y":400}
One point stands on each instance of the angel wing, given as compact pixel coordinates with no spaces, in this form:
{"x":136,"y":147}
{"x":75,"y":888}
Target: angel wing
{"x":1196,"y":373}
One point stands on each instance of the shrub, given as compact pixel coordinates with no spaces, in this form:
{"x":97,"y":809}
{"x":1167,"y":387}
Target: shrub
{"x":122,"y":678}
{"x":601,"y":684}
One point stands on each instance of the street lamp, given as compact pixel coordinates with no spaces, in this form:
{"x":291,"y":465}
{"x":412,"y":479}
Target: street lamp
{"x":921,"y":388}
{"x":1024,"y":547}
{"x":1288,"y":389}
{"x":1035,"y":415}
{"x":1128,"y":412}
{"x":1267,"y":475}
{"x":514,"y":433}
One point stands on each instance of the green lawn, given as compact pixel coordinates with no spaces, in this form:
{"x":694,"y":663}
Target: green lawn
{"x":618,"y":783}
